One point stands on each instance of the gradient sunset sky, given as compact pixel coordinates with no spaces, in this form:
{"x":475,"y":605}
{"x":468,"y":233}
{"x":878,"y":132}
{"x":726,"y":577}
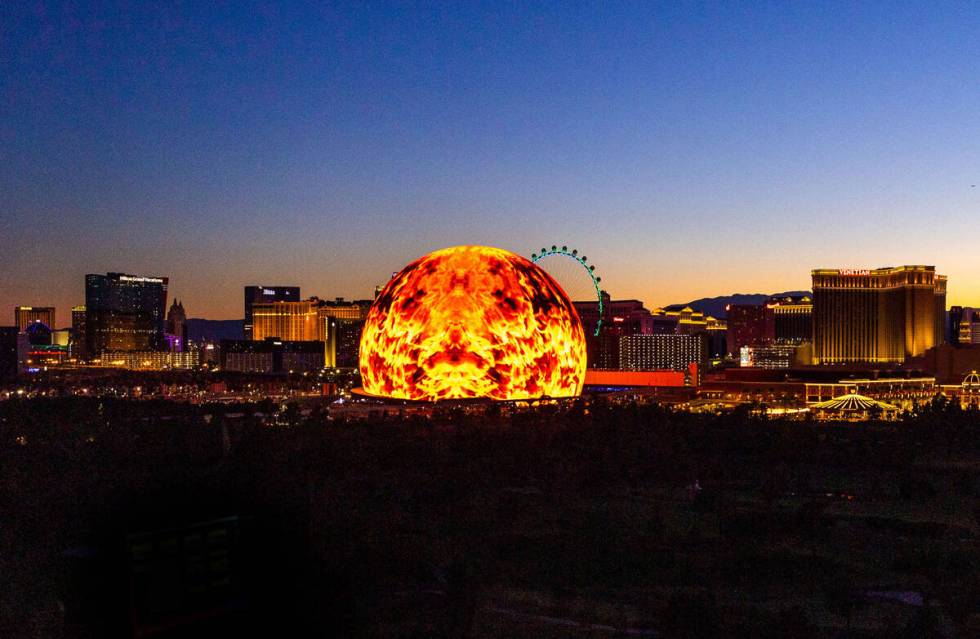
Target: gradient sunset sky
{"x":690,"y":149}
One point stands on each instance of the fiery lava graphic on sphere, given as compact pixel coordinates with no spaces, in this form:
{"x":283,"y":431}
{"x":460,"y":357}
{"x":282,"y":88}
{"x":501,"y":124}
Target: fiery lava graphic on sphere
{"x":472,"y":321}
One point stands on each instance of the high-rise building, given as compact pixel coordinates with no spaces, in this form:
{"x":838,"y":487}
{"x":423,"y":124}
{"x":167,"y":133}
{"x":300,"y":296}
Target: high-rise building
{"x":295,"y":321}
{"x":939,"y":303}
{"x":953,"y":319}
{"x":344,"y":309}
{"x":749,"y":325}
{"x":124,"y":313}
{"x":970,"y":329}
{"x":342,"y":342}
{"x":717,"y":332}
{"x":660,"y":352}
{"x":341,"y":322}
{"x":880,"y":316}
{"x":336,"y":324}
{"x":24,"y":316}
{"x":964,"y":325}
{"x":77,"y":344}
{"x":265,"y":295}
{"x":630,"y":316}
{"x":176,"y":328}
{"x":682,"y":319}
{"x":8,"y":353}
{"x":25,"y":362}
{"x":969,"y":332}
{"x":792,"y":319}
{"x":780,"y":320}
{"x":619,"y":318}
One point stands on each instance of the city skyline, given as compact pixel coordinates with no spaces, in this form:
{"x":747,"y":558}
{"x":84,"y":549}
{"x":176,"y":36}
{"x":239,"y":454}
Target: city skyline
{"x":237,"y":311}
{"x":691,"y":151}
{"x":489,"y":319}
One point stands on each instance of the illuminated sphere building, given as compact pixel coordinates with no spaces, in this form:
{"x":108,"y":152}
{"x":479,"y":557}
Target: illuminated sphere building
{"x":472,"y":322}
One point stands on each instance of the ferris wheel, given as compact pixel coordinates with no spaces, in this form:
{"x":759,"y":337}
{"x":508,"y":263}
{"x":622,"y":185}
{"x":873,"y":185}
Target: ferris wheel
{"x":573,"y":273}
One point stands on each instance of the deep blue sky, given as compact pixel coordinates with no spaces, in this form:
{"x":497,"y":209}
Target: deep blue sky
{"x":689,"y":149}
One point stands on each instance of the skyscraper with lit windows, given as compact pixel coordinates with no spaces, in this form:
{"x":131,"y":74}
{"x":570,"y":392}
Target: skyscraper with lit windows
{"x":78,"y":342}
{"x":265,"y":295}
{"x":336,"y":323}
{"x":876,"y":316}
{"x":124,"y":313}
{"x":792,"y":319}
{"x":24,"y":316}
{"x":964,"y":325}
{"x":287,"y":321}
{"x":341,"y":322}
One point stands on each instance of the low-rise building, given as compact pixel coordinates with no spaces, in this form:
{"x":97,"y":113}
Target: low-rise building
{"x":775,"y":355}
{"x":271,"y":356}
{"x":662,"y":352}
{"x":151,"y":360}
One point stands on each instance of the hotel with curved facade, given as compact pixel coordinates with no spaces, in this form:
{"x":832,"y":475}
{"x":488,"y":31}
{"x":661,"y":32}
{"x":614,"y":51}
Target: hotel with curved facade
{"x":877,"y":316}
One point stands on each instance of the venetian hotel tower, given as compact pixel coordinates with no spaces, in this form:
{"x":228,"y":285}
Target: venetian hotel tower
{"x":876,"y":316}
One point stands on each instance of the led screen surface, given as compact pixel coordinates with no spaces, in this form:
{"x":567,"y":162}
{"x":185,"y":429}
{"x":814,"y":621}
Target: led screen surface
{"x":468,"y":322}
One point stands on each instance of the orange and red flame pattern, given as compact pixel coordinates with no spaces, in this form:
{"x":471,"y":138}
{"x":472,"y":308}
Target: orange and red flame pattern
{"x":472,"y":321}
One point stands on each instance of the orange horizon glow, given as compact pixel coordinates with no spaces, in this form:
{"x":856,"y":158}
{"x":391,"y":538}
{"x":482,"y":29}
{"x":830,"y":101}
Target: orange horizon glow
{"x":657,"y":281}
{"x":472,"y":321}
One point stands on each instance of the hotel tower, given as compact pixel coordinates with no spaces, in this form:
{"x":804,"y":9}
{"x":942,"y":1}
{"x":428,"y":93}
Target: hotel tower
{"x":878,"y":316}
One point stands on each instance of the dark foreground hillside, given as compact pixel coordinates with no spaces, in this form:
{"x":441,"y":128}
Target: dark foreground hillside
{"x":158,"y":519}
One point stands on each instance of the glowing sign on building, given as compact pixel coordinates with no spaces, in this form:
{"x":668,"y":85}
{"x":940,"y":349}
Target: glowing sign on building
{"x":854,"y":271}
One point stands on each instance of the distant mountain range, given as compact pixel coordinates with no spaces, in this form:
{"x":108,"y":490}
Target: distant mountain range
{"x":715,"y":306}
{"x":214,"y":330}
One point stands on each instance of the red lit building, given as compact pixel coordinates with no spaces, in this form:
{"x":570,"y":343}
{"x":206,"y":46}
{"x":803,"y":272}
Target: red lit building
{"x":619,"y":318}
{"x":749,"y":324}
